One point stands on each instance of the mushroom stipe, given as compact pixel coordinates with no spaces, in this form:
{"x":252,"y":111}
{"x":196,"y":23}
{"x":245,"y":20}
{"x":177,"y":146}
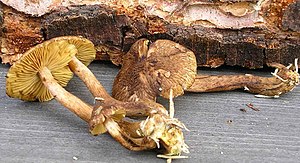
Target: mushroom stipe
{"x":68,"y":100}
{"x":163,"y":68}
{"x":284,"y":80}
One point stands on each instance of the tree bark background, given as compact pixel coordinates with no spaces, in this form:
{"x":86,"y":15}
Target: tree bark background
{"x":245,"y":33}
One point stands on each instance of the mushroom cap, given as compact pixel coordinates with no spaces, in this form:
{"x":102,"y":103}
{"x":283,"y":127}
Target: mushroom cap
{"x":151,"y":71}
{"x":86,"y":50}
{"x":23,"y":81}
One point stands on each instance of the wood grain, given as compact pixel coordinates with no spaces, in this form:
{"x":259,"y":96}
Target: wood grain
{"x":47,"y":132}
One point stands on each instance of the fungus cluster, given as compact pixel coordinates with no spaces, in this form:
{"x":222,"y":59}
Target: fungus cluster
{"x":45,"y":69}
{"x":162,"y":68}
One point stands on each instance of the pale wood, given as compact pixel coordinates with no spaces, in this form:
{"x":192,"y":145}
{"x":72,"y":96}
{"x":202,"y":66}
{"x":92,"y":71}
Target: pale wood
{"x":47,"y":132}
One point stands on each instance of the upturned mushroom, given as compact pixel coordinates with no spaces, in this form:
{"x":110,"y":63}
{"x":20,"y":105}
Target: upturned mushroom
{"x":49,"y":55}
{"x":41,"y":73}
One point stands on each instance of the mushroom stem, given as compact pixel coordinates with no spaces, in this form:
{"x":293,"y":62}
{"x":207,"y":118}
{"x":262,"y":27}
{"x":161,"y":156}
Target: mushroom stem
{"x":171,"y":104}
{"x":284,"y":80}
{"x":88,"y":78}
{"x":68,"y":100}
{"x":214,"y":83}
{"x":115,"y":132}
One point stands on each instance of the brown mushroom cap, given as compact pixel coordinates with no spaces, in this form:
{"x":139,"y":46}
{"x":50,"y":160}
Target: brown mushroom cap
{"x":23,"y":81}
{"x":154,"y":70}
{"x":86,"y":50}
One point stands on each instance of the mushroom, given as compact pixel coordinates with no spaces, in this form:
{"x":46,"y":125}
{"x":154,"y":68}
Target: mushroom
{"x":41,"y":73}
{"x":165,"y":67}
{"x":43,"y":55}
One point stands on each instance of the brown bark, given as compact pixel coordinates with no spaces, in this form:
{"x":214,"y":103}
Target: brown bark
{"x":241,"y":33}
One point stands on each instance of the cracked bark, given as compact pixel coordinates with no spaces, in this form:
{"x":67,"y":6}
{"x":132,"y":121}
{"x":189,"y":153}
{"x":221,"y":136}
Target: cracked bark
{"x":113,"y":28}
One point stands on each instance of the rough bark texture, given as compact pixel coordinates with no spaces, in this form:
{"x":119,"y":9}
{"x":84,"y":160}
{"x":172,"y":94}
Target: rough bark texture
{"x":242,"y":33}
{"x":19,"y":33}
{"x":290,"y":20}
{"x":1,"y":23}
